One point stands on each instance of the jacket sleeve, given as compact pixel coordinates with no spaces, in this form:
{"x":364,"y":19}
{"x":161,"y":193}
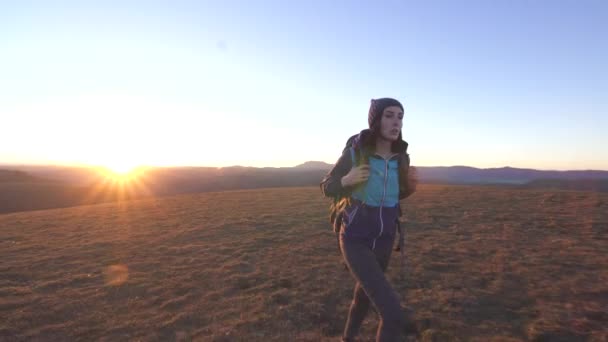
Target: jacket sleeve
{"x":408,"y":178}
{"x":331,"y":185}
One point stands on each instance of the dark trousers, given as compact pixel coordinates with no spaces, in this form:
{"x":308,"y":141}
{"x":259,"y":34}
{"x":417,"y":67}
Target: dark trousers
{"x":367,"y":267}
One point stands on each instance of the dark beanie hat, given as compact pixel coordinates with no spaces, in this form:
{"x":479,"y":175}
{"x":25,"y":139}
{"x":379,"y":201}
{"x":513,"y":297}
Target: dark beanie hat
{"x":378,"y":106}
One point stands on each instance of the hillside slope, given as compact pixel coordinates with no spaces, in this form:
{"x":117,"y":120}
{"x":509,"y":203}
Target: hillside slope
{"x":262,"y":265}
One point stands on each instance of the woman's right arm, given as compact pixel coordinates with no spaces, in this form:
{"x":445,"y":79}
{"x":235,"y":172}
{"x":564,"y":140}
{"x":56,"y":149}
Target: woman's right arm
{"x":331,"y":185}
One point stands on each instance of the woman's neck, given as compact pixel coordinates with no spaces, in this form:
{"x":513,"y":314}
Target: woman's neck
{"x":384,"y":147}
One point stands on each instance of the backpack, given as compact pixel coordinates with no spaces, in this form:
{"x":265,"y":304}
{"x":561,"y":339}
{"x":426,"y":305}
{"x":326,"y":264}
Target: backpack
{"x":336,"y":208}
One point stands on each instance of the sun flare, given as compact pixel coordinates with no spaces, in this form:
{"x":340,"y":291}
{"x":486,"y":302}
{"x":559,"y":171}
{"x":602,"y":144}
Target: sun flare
{"x":120,"y":182}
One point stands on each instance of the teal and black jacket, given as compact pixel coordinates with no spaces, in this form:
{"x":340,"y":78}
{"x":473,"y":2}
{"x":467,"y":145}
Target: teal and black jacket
{"x":373,"y":207}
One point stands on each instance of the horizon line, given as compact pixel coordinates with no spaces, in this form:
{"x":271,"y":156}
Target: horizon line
{"x":82,"y":165}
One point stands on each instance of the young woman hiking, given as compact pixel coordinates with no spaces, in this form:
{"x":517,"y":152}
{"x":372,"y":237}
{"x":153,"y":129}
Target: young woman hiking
{"x":372,"y":175}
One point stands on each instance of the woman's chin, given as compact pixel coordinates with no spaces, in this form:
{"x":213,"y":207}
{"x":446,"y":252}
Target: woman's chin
{"x":391,"y":138}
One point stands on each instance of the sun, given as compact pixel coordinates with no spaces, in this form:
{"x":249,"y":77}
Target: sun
{"x":121,"y":171}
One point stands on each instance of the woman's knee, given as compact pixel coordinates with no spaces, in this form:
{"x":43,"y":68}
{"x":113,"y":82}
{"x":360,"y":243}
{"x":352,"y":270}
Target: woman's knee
{"x":360,"y":294}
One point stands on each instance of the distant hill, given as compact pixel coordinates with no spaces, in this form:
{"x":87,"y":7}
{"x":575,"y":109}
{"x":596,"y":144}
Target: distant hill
{"x":472,"y":175}
{"x":17,"y":176}
{"x":598,"y":185}
{"x":23,"y":192}
{"x":74,"y":175}
{"x":505,"y":175}
{"x":314,"y":165}
{"x":310,"y":170}
{"x":40,"y":187}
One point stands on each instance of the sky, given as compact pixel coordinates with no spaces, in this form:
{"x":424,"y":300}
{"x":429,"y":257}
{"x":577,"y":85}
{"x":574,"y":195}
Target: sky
{"x":277,"y":83}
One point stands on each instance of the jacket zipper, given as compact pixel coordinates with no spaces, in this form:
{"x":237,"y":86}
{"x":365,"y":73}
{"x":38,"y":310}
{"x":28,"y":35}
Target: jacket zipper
{"x":382,"y":203}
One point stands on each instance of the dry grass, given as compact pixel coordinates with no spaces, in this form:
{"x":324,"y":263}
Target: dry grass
{"x":482,"y":264}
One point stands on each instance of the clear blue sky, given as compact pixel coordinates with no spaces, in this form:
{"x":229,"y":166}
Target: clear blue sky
{"x":277,"y":83}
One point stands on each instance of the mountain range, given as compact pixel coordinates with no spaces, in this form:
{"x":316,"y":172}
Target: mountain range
{"x":472,"y":175}
{"x":40,"y":187}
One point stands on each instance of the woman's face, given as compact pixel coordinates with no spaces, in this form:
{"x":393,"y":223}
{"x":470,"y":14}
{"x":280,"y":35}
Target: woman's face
{"x":391,"y":123}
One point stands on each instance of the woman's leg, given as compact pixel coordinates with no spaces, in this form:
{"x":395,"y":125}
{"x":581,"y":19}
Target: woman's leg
{"x":368,"y":269}
{"x":358,"y":311}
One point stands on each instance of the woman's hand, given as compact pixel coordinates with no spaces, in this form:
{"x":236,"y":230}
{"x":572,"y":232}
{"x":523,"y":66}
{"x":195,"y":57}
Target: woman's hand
{"x":356,"y":175}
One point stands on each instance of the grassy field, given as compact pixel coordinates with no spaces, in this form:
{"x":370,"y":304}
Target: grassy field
{"x":482,"y":264}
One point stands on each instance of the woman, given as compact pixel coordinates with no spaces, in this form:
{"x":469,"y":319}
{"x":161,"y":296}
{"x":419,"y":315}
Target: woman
{"x":373,"y":176}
